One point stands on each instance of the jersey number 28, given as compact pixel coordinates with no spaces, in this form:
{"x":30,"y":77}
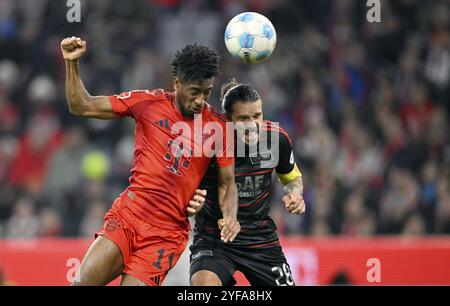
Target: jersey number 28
{"x":283,"y":273}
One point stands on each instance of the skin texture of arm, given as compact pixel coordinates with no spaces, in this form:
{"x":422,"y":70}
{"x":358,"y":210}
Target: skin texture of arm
{"x":228,"y":202}
{"x":294,"y":186}
{"x":293,"y":200}
{"x":80,"y":102}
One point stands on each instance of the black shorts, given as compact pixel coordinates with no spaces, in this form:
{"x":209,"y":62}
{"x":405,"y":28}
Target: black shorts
{"x":262,"y":266}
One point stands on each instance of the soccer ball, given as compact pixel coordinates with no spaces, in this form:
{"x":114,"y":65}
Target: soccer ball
{"x":250,"y":37}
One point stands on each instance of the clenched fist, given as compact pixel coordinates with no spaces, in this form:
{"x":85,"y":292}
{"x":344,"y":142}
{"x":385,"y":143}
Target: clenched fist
{"x":73,"y":48}
{"x":294,"y":203}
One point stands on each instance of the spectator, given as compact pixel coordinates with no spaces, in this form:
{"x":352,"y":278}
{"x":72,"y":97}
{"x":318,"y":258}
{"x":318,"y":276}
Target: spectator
{"x":64,"y":167}
{"x":37,"y":145}
{"x":400,"y":200}
{"x":442,"y":213}
{"x":50,"y":223}
{"x":24,"y":223}
{"x":93,"y":219}
{"x":414,"y":226}
{"x":358,"y":220}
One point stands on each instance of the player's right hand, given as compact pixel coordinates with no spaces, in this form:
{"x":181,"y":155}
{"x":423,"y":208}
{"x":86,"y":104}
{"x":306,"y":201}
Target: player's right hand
{"x":229,"y":227}
{"x":73,"y":48}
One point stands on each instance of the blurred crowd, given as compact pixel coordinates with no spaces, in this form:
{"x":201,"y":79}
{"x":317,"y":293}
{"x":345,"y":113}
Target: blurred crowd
{"x":367,"y":106}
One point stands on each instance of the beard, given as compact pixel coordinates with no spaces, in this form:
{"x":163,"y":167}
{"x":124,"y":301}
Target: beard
{"x":249,"y":135}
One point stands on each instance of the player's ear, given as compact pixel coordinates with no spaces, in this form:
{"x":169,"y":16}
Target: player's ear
{"x":176,"y":83}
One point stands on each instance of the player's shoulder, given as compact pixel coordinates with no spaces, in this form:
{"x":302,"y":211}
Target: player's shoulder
{"x":159,"y":94}
{"x":162,"y":94}
{"x":214,"y":115}
{"x":274,"y":127}
{"x":150,"y":94}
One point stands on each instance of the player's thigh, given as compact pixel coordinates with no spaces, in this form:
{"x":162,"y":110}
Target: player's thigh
{"x":266,"y":267}
{"x":130,"y":280}
{"x":102,"y":263}
{"x":205,"y":278}
{"x":210,"y":266}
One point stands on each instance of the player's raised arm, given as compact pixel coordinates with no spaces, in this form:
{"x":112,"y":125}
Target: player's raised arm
{"x":80,"y":102}
{"x":228,"y":202}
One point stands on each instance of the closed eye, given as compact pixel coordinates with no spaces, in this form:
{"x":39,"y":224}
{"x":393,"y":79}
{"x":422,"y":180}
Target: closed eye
{"x":258,"y":115}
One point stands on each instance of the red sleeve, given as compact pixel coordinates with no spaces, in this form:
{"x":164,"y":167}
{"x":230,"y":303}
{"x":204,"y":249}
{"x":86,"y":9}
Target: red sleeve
{"x":131,"y":103}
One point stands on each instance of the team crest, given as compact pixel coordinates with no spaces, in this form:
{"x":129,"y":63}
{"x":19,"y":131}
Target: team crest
{"x":112,"y":225}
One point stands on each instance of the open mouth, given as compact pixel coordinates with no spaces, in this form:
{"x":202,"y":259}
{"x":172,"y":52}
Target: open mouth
{"x":196,"y":110}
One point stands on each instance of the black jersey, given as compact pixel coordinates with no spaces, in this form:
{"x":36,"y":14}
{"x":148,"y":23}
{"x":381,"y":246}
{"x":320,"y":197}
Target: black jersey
{"x":254,"y":183}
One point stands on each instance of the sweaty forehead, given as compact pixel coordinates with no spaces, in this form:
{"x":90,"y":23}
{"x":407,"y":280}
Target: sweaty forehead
{"x":247,"y":108}
{"x":205,"y":84}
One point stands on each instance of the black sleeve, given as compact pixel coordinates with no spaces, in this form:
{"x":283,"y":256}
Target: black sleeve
{"x":286,"y":161}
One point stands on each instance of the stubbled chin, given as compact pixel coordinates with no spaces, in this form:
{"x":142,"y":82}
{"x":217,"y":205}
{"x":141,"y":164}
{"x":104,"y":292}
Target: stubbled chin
{"x":251,"y":140}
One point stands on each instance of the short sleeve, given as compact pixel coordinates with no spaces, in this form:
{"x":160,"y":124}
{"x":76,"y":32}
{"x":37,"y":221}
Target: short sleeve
{"x":287,"y":169}
{"x":131,"y":103}
{"x":286,"y":161}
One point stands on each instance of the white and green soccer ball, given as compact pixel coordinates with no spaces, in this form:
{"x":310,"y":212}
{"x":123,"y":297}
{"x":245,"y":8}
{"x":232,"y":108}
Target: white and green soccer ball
{"x":250,"y":37}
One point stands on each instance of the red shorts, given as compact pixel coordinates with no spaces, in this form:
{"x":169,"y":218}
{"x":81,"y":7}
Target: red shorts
{"x":148,"y":252}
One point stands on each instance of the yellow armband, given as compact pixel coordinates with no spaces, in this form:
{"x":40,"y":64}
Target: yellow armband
{"x":289,"y":177}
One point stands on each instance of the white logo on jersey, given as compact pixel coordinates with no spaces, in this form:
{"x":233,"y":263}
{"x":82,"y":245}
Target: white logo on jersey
{"x":291,"y":160}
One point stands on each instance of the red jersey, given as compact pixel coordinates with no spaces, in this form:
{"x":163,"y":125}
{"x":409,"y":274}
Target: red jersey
{"x":164,"y":176}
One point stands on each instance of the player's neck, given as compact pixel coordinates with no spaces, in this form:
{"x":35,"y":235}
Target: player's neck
{"x":177,"y":105}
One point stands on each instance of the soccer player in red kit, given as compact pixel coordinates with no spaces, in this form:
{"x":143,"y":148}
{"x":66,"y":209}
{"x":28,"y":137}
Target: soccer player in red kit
{"x":146,"y":230}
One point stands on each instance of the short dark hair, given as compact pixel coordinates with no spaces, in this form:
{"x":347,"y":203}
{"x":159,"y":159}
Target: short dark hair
{"x":195,"y":63}
{"x":232,"y":91}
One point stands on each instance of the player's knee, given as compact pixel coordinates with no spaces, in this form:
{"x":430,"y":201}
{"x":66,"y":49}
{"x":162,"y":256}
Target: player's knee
{"x":205,"y":278}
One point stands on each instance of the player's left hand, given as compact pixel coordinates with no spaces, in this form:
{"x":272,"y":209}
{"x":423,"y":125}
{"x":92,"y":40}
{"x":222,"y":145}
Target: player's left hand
{"x":229,"y":227}
{"x":294,"y":203}
{"x":197,"y":202}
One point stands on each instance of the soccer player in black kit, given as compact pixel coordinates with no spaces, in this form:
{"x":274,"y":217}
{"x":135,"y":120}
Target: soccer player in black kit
{"x":256,"y":250}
